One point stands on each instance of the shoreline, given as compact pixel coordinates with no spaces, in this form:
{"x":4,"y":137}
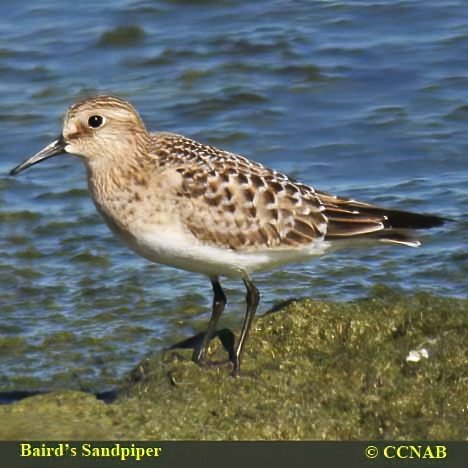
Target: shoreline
{"x":312,"y":371}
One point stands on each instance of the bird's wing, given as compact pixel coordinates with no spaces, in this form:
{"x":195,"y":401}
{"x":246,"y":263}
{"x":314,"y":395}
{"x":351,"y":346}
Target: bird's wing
{"x":238,"y":203}
{"x":349,"y":218}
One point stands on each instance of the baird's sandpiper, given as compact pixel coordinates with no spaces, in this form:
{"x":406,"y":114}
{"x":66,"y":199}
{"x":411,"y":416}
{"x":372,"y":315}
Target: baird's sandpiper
{"x":178,"y":202}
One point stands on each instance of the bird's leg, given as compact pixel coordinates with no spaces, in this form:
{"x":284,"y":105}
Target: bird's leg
{"x":219,"y":302}
{"x":252,"y":299}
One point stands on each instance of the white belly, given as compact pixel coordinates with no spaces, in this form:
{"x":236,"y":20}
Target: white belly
{"x":182,"y":250}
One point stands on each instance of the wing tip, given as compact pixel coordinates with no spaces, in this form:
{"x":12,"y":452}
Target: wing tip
{"x":408,"y":242}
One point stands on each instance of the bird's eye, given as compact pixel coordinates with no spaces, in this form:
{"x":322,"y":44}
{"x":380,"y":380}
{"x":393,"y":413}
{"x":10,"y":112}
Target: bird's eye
{"x":96,"y":121}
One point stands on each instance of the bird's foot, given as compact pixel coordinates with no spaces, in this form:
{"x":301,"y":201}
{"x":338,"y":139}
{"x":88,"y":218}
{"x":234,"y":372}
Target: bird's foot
{"x":199,"y":357}
{"x":235,"y":367}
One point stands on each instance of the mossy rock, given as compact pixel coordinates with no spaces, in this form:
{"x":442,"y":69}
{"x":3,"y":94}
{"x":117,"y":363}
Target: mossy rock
{"x":312,"y":370}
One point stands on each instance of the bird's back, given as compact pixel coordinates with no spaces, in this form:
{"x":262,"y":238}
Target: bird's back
{"x":239,"y":204}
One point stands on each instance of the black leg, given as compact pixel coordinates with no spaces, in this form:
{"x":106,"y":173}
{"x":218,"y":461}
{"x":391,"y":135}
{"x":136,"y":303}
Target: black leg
{"x":252,"y":299}
{"x":219,"y":302}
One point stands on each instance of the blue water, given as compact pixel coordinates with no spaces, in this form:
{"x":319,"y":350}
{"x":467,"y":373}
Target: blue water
{"x":367,"y":99}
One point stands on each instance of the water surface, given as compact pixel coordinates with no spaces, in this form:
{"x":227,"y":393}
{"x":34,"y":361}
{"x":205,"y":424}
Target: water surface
{"x":367,"y":99}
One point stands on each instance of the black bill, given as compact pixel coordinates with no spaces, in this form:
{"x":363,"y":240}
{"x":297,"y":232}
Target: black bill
{"x":55,"y":148}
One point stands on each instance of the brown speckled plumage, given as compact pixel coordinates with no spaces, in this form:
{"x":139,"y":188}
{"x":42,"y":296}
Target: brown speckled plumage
{"x":235,"y":203}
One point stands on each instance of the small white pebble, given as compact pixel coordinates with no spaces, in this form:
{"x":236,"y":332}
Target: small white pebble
{"x":417,"y":355}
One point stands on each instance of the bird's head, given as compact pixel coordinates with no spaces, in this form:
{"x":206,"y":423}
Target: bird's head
{"x":100,"y":130}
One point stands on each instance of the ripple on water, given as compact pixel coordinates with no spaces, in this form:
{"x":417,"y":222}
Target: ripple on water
{"x":208,"y":105}
{"x":66,"y":194}
{"x":459,"y":113}
{"x":169,"y":55}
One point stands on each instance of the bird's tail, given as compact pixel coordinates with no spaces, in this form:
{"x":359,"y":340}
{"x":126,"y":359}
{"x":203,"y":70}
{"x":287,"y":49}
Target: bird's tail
{"x":352,"y":219}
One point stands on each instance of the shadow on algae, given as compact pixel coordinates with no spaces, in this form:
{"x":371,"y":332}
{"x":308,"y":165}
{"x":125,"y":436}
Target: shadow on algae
{"x":312,"y":370}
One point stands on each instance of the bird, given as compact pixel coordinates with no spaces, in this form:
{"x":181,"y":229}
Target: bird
{"x":178,"y":202}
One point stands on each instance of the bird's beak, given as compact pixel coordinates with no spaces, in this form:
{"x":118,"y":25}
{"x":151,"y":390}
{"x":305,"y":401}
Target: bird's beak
{"x":55,"y":148}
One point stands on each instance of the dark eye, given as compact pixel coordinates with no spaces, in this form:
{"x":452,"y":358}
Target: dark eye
{"x":95,"y":121}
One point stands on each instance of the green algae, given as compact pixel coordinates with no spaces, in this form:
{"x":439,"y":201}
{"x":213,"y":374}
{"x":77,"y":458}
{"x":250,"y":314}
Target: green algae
{"x":29,"y":254}
{"x":57,"y":339}
{"x":92,"y":259}
{"x":70,"y":414}
{"x":18,"y":216}
{"x":122,"y":36}
{"x":27,"y":273}
{"x":312,"y":370}
{"x":17,"y":239}
{"x":14,"y":344}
